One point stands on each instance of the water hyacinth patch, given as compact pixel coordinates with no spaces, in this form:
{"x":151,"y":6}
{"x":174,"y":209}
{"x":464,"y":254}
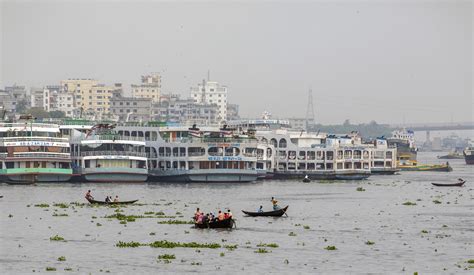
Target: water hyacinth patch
{"x":175,"y":222}
{"x":261,"y":250}
{"x":168,"y":244}
{"x":57,"y":238}
{"x":274,"y":245}
{"x":409,"y":203}
{"x":330,"y":247}
{"x":62,"y":259}
{"x":61,"y":205}
{"x":42,"y":205}
{"x":369,"y":243}
{"x":360,"y":189}
{"x":167,"y":257}
{"x":50,"y":268}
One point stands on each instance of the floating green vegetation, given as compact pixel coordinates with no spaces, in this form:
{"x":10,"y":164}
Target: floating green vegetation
{"x":98,"y":224}
{"x":470,"y":261}
{"x":94,"y":217}
{"x":62,"y":259}
{"x":152,"y":234}
{"x":61,"y":205}
{"x":128,"y":218}
{"x":123,"y":222}
{"x":50,"y":268}
{"x":298,"y":224}
{"x":178,"y":213}
{"x":168,"y":244}
{"x":360,"y":189}
{"x":330,"y":247}
{"x":274,"y":245}
{"x":129,"y":244}
{"x":196,"y":263}
{"x":369,"y":242}
{"x":306,"y":227}
{"x":167,"y":257}
{"x":149,"y":213}
{"x":60,"y":215}
{"x":80,"y":204}
{"x":67,"y":269}
{"x":222,"y":254}
{"x":409,"y":203}
{"x":436,"y":202}
{"x":424,"y":231}
{"x":57,"y":238}
{"x":230,"y":246}
{"x":10,"y":216}
{"x":42,"y":205}
{"x":160,"y":213}
{"x":175,"y":222}
{"x":261,"y":250}
{"x":292,"y":234}
{"x":444,"y":225}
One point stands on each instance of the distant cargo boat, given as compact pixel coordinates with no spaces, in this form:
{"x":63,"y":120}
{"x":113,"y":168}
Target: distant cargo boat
{"x":469,"y":155}
{"x":413,"y":166}
{"x":452,"y":155}
{"x":33,"y":152}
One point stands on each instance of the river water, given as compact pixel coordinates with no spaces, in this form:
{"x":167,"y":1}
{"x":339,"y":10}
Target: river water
{"x":427,"y":237}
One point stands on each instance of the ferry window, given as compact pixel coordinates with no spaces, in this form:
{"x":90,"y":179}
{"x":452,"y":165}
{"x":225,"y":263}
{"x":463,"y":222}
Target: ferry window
{"x":320,"y":166}
{"x":348,"y":165}
{"x":215,"y":151}
{"x":329,"y":155}
{"x":389,"y":154}
{"x":301,"y":166}
{"x":282,"y":143}
{"x":329,"y":166}
{"x":311,"y":155}
{"x":339,"y":165}
{"x":357,"y":165}
{"x":348,"y":154}
{"x":339,"y":154}
{"x":357,"y":154}
{"x":269,"y":152}
{"x":311,"y":166}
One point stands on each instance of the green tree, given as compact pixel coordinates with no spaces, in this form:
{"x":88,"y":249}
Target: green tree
{"x":57,"y":114}
{"x":38,"y":112}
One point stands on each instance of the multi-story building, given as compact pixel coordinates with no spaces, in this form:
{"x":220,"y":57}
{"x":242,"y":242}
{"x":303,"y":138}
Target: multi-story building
{"x":171,"y":108}
{"x":149,"y":88}
{"x":232,"y":112}
{"x":65,"y":103}
{"x":130,"y":108}
{"x":90,"y":95}
{"x":19,"y":96}
{"x":37,"y":97}
{"x":7,"y":103}
{"x":50,"y":97}
{"x":210,"y":92}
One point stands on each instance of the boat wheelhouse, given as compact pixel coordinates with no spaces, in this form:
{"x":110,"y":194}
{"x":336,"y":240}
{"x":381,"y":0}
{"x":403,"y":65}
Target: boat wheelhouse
{"x":210,"y":154}
{"x":33,"y":152}
{"x":103,"y":155}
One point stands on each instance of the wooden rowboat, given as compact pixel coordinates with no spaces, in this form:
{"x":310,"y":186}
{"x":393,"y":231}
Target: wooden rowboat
{"x":227,"y":223}
{"x":449,"y":184}
{"x":275,"y":213}
{"x":111,"y":203}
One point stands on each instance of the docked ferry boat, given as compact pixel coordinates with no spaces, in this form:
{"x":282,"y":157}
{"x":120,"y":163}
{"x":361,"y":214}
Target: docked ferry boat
{"x":469,"y":155}
{"x":33,"y":152}
{"x":383,"y":158}
{"x":100,"y":154}
{"x":210,"y":154}
{"x":404,"y":141}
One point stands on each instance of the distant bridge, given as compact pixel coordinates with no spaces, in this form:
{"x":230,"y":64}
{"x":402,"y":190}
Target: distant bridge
{"x":438,"y":127}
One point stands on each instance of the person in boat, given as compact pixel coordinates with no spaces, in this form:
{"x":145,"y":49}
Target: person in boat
{"x":196,"y":214}
{"x":205,"y":219}
{"x":275,"y":204}
{"x":107,"y":200}
{"x":260,"y":210}
{"x":460,"y":180}
{"x":199,"y":218}
{"x":229,"y":214}
{"x":89,"y":195}
{"x":220,"y":216}
{"x":116,"y":199}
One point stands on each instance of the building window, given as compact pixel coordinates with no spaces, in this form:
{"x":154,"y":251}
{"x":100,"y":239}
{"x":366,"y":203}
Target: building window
{"x":121,"y":103}
{"x":134,"y":110}
{"x":128,"y":103}
{"x":134,"y":103}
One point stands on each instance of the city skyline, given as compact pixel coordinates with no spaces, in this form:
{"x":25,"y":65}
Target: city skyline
{"x":418,"y":68}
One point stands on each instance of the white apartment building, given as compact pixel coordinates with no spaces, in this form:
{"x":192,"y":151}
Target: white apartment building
{"x":210,"y":92}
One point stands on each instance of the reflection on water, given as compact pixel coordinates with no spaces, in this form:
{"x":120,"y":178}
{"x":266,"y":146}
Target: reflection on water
{"x":426,"y":237}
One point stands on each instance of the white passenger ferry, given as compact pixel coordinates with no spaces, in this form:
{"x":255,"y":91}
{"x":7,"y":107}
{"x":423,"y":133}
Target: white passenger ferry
{"x":33,"y":152}
{"x":100,"y":154}
{"x":209,"y":154}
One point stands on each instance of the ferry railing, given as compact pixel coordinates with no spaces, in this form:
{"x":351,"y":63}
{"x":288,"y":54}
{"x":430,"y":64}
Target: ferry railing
{"x":42,"y":155}
{"x":28,"y":125}
{"x":112,"y":153}
{"x":109,"y":137}
{"x":34,"y":138}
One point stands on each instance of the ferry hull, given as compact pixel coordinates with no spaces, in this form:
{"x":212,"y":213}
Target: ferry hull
{"x":112,"y":175}
{"x":352,"y":175}
{"x":469,"y":159}
{"x":384,"y":171}
{"x":203,"y":175}
{"x":35,"y":175}
{"x":323,"y":175}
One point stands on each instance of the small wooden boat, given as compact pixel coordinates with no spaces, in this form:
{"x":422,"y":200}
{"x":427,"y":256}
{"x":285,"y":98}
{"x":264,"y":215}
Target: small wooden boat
{"x":227,"y":223}
{"x":114,"y":203}
{"x":274,"y":213}
{"x":459,"y":184}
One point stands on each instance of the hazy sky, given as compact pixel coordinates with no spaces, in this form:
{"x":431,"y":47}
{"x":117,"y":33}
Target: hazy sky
{"x":367,"y":60}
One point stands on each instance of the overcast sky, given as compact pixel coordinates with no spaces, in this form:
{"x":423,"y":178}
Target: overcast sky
{"x":368,"y":60}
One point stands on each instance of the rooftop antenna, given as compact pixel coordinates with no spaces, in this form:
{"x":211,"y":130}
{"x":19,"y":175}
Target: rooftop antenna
{"x":310,"y":118}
